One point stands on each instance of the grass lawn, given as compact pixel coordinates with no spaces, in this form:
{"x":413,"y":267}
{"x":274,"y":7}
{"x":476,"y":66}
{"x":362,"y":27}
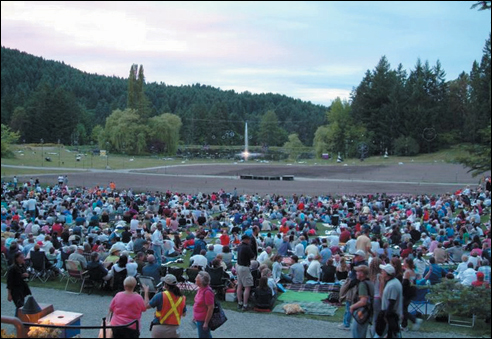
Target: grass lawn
{"x":66,"y":157}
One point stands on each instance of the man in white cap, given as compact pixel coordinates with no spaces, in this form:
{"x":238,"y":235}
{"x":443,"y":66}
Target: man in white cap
{"x":392,"y":299}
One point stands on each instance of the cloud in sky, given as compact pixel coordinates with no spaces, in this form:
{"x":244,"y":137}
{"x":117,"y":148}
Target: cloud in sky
{"x":313,"y":51}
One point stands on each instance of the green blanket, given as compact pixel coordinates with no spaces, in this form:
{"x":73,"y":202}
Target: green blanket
{"x":313,"y":308}
{"x":291,"y":296}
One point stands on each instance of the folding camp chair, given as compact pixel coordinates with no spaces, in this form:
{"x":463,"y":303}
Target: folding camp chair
{"x":149,"y":281}
{"x":75,"y":274}
{"x":420,"y":302}
{"x":40,"y":267}
{"x":219,"y":280}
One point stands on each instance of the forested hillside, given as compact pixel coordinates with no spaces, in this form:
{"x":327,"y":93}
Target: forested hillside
{"x":392,"y":109}
{"x":51,"y":100}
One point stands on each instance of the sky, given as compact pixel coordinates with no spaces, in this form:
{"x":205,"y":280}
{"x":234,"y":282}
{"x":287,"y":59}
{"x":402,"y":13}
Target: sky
{"x":313,"y":51}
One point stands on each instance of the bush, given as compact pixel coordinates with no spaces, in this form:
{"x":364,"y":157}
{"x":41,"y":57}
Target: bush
{"x":406,"y":146}
{"x":460,"y":300}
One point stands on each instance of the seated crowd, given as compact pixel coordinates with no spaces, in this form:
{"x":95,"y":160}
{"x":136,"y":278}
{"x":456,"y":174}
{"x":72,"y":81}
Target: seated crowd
{"x":273,"y":239}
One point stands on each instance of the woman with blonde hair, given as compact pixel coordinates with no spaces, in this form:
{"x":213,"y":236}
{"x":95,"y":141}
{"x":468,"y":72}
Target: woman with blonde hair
{"x":376,"y":278}
{"x":342,"y":270}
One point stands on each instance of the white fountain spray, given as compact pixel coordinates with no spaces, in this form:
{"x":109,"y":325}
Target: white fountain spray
{"x":246,"y":151}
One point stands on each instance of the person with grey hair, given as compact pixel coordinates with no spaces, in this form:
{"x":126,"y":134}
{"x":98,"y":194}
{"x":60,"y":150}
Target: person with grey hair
{"x":203,"y":307}
{"x":128,"y":306}
{"x":77,"y":255}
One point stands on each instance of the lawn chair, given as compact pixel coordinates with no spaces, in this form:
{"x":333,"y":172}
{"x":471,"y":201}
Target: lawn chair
{"x":95,"y":279}
{"x":40,"y":267}
{"x":219,"y":280}
{"x":118,"y":279}
{"x":189,"y":286}
{"x":420,"y":302}
{"x":149,"y":281}
{"x":75,"y":274}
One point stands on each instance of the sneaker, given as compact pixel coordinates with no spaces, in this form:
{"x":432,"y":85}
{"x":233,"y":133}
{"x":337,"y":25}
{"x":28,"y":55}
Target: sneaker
{"x":245,"y":308}
{"x":343,"y":327}
{"x":240,"y":306}
{"x":404,"y":329}
{"x":418,"y":323}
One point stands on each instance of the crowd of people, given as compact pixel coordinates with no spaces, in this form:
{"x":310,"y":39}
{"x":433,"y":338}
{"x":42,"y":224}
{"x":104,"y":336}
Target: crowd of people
{"x":391,"y":243}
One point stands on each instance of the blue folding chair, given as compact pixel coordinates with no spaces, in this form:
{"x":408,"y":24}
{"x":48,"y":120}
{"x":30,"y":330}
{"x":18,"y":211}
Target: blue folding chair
{"x":420,"y":302}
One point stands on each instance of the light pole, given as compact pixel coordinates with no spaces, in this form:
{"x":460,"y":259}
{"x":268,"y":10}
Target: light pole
{"x":107,"y":155}
{"x":92,"y":151}
{"x":59,"y":153}
{"x":42,"y":151}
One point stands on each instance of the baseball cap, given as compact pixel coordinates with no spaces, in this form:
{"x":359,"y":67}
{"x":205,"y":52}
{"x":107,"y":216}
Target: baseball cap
{"x":170,"y":279}
{"x":245,"y":236}
{"x":360,"y":252}
{"x":388,"y":268}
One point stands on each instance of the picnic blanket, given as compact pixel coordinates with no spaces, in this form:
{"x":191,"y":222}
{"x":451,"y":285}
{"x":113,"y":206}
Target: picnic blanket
{"x":317,"y":288}
{"x":312,"y":308}
{"x":291,"y":296}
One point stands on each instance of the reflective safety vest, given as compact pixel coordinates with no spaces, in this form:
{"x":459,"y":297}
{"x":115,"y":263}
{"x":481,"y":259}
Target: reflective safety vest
{"x":172,"y":309}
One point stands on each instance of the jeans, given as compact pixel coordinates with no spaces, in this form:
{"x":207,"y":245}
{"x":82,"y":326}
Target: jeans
{"x":407,"y":315}
{"x":158,"y":254}
{"x":347,"y":317}
{"x":201,"y":332}
{"x":359,"y":331}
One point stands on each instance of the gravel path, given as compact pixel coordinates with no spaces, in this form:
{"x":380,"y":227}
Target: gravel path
{"x":239,"y":325}
{"x":412,"y":178}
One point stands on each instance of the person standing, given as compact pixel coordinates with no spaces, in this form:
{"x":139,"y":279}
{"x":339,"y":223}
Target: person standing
{"x":128,"y":306}
{"x":17,"y":276}
{"x":392,"y":300}
{"x":157,"y":243}
{"x":203,"y":307}
{"x":364,"y":296}
{"x":170,"y":308}
{"x":409,"y":292}
{"x":244,"y":277}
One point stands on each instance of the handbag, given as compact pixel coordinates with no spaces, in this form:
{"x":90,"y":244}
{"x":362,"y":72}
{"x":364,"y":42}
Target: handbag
{"x":218,"y":316}
{"x":361,"y":315}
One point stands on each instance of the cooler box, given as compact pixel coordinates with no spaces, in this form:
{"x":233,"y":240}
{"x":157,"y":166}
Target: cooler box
{"x":230,"y":295}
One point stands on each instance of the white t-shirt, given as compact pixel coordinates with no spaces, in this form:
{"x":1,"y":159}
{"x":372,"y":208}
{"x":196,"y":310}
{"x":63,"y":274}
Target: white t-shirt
{"x":350,"y":246}
{"x":262,"y":257}
{"x":468,"y":276}
{"x":199,"y":260}
{"x":314,"y":269}
{"x":299,"y":250}
{"x":131,"y":269}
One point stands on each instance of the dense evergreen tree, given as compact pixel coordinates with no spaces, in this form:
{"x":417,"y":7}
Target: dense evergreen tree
{"x":270,"y":133}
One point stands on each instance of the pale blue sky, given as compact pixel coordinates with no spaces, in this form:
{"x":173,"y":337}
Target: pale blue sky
{"x":313,"y":51}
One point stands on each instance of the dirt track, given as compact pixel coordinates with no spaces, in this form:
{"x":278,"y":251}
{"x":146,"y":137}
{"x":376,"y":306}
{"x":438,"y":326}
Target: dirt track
{"x":313,"y":180}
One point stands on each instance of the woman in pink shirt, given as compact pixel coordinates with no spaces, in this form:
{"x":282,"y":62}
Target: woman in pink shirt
{"x":126,"y":307}
{"x":204,"y":305}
